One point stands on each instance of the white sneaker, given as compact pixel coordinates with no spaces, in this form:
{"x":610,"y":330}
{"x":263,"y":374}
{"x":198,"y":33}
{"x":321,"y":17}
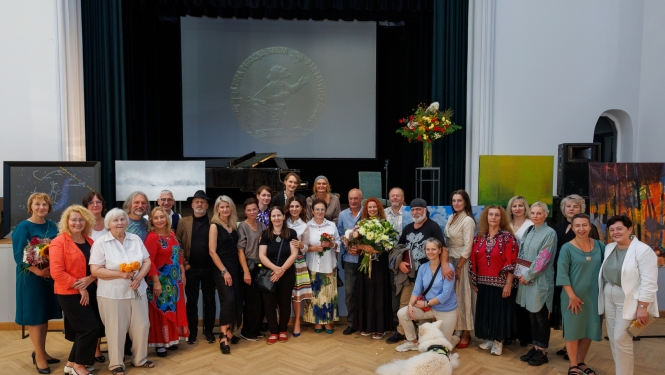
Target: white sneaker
{"x":406,"y":346}
{"x":497,"y":348}
{"x":486,"y":345}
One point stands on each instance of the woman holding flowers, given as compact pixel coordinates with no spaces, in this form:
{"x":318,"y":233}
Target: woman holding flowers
{"x":374,"y":311}
{"x":120,"y":262}
{"x":76,"y":287}
{"x":321,"y":257}
{"x":36,"y":303}
{"x":166,"y":294}
{"x":302,"y":291}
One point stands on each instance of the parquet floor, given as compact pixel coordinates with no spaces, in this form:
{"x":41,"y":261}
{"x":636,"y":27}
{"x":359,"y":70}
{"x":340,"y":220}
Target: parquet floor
{"x":313,"y":353}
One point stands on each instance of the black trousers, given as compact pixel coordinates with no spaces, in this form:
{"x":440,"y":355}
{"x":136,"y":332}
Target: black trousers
{"x":253,"y":311}
{"x":280,"y":298}
{"x":523,"y":324}
{"x":84,"y":320}
{"x":200,"y":279}
{"x":350,"y":276}
{"x":540,"y":327}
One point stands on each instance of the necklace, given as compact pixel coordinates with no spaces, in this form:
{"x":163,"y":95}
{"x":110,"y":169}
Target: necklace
{"x":588,"y":257}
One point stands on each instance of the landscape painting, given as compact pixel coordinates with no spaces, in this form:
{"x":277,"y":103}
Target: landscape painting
{"x":633,"y":189}
{"x":502,"y":177}
{"x":183,"y":178}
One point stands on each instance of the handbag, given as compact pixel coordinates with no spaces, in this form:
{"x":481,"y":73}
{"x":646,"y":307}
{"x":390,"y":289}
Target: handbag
{"x":262,"y":282}
{"x":251,"y":264}
{"x":421,"y":297}
{"x":636,"y":328}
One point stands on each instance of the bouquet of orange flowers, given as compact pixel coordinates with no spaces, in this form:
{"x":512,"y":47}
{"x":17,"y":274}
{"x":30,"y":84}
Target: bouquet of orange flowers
{"x":36,"y":254}
{"x":129,"y":268}
{"x":427,"y":124}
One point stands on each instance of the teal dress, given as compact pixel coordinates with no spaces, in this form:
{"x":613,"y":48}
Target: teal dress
{"x":582,"y":275}
{"x":35,"y":301}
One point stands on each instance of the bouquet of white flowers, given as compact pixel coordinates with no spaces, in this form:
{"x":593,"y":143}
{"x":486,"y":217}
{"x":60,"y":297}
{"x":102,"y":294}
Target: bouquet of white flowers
{"x":372,"y":237}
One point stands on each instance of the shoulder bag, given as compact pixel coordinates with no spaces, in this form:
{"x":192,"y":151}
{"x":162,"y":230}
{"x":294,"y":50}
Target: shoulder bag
{"x":262,"y":282}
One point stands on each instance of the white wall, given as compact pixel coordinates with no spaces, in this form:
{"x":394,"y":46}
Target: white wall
{"x":652,"y":85}
{"x":29,"y":99}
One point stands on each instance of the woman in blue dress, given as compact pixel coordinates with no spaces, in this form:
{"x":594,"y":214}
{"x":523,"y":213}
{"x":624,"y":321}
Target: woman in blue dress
{"x":36,"y":303}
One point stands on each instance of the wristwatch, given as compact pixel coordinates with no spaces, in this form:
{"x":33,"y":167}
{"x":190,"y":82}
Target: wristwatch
{"x":427,"y":302}
{"x":642,"y":306}
{"x":223,"y":271}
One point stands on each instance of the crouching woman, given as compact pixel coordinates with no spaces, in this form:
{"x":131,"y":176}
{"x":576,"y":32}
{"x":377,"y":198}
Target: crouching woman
{"x":437,"y":298}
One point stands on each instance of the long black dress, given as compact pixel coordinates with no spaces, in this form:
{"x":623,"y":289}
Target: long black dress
{"x":563,"y":237}
{"x":374,"y":309}
{"x":230,"y":297}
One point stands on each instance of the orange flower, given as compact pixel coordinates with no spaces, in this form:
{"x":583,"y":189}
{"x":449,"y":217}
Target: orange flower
{"x":136,"y":266}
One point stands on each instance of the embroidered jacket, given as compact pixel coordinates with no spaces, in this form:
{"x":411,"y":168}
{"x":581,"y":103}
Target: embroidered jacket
{"x":492,"y":258}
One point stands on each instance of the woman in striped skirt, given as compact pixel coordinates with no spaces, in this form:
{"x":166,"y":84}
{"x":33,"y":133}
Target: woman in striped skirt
{"x":303,"y":288}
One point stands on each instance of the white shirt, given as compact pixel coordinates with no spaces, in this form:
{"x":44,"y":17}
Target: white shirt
{"x":97,"y":234}
{"x":301,"y":230}
{"x":327,"y":262}
{"x":520,"y":232}
{"x":110,"y":253}
{"x":395,"y":219}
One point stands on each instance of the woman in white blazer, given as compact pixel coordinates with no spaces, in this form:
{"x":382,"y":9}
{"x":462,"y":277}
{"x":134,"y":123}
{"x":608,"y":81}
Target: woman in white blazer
{"x":628,"y":282}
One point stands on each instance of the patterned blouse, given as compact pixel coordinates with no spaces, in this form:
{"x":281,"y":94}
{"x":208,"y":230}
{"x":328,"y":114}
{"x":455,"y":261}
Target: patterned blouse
{"x":492,"y":258}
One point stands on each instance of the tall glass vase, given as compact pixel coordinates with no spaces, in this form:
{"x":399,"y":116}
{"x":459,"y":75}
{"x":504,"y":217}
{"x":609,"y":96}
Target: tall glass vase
{"x":427,"y":154}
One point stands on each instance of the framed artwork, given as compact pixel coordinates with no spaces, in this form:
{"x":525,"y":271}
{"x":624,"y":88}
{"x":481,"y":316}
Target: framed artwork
{"x":182,"y":178}
{"x":502,"y":177}
{"x":65,"y":182}
{"x":632,"y":189}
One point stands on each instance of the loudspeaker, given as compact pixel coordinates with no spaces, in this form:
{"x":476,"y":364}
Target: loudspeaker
{"x":573,"y":167}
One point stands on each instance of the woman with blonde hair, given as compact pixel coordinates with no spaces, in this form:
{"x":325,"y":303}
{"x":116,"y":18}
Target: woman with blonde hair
{"x":323,"y":191}
{"x":76,"y":288}
{"x":493,"y":261}
{"x":223,"y":246}
{"x":166,"y":283}
{"x":459,"y":239}
{"x":36,"y":303}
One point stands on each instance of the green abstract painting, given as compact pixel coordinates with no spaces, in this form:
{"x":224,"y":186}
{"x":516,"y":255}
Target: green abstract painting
{"x":502,"y":177}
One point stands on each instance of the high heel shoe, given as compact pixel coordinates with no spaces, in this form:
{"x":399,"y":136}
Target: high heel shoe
{"x":224,"y":347}
{"x":46,"y":370}
{"x":51,"y":361}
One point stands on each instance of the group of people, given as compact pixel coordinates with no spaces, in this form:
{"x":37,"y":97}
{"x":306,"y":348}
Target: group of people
{"x":133,"y":275}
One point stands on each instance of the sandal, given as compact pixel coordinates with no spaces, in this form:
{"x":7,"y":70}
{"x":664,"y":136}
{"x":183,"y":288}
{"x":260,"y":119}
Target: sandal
{"x":587,"y":370}
{"x":117,"y":370}
{"x":283,"y":337}
{"x":573,"y":370}
{"x":271,"y":339}
{"x":363,"y":333}
{"x":146,"y":364}
{"x":378,"y":335}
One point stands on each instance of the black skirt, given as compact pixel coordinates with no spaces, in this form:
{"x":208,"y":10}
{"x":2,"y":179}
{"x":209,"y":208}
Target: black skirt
{"x":374,"y":304}
{"x":495,"y":315}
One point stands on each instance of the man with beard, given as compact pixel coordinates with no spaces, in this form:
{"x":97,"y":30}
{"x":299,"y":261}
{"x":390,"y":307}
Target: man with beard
{"x":192,"y":234}
{"x":136,"y":206}
{"x":413,"y":237}
{"x":394,"y":217}
{"x":347,"y":219}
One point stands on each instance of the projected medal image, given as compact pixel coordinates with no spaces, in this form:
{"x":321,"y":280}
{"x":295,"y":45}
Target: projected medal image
{"x":278,"y":95}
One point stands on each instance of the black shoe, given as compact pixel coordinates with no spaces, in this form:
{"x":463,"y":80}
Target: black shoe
{"x":162,"y":353}
{"x":100,"y":359}
{"x":51,"y":361}
{"x":349,"y":331}
{"x":561,"y":352}
{"x":527,"y":357}
{"x":46,"y":370}
{"x":524,"y":344}
{"x":395,"y":338}
{"x":224,"y":347}
{"x":234,"y":340}
{"x":210,"y":338}
{"x":173,"y":347}
{"x":507,"y":342}
{"x":191,"y":340}
{"x":538,"y":359}
{"x":249,"y":337}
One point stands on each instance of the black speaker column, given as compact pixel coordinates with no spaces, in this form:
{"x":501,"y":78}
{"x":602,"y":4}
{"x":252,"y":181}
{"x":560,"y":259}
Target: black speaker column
{"x":573,"y":168}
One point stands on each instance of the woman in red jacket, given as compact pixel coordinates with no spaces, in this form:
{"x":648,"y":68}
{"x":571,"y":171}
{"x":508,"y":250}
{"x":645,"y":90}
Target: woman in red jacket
{"x":75,"y":287}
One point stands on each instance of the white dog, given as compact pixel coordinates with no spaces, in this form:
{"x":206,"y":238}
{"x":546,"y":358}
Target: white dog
{"x":434,"y":358}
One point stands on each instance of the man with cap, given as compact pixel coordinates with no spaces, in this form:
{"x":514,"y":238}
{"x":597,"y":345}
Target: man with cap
{"x":413,"y":237}
{"x":192,"y":234}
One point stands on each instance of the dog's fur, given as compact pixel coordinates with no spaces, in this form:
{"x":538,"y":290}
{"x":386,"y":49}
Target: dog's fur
{"x":425,"y":363}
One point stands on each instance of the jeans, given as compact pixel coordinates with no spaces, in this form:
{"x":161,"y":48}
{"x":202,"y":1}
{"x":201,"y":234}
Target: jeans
{"x":200,"y":278}
{"x":621,"y":342}
{"x":350,"y":277}
{"x":540,"y":327}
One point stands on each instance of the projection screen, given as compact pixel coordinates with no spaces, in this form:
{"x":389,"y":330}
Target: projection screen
{"x":303,"y":89}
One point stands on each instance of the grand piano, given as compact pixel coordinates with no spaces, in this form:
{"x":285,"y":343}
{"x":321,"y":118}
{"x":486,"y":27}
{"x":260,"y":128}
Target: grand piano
{"x":249,"y":172}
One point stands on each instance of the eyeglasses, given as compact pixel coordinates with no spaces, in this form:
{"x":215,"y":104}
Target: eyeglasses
{"x":95,"y":203}
{"x":164,"y":200}
{"x":77,"y":220}
{"x":319,"y":210}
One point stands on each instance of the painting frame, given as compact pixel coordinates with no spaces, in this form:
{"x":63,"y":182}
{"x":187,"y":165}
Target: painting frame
{"x":90,"y":168}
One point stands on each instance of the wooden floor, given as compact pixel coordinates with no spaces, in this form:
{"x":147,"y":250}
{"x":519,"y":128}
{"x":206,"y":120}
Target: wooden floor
{"x":313,"y":353}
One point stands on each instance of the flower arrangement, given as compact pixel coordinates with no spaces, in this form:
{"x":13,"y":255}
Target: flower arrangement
{"x":36,"y":252}
{"x":427,"y":124}
{"x":129,"y":268}
{"x":372,"y":237}
{"x":325,"y":237}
